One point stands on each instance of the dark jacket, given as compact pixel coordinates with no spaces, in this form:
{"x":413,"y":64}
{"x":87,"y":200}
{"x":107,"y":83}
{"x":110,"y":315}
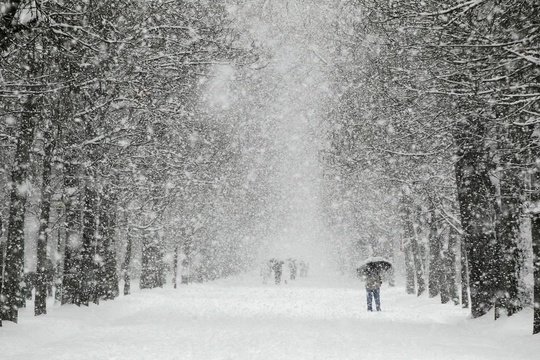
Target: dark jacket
{"x":373,"y":280}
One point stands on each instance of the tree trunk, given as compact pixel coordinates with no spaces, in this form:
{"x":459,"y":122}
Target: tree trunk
{"x":392,"y":273}
{"x":477,"y":219}
{"x":175,"y":266}
{"x":464,"y":277}
{"x":417,"y":258}
{"x":59,"y":264}
{"x":108,"y":225}
{"x":508,"y":222}
{"x":125,"y":265}
{"x":151,"y":272}
{"x":535,"y":230}
{"x":71,"y":284}
{"x":10,"y":294}
{"x":2,"y":255}
{"x":509,"y":254}
{"x":88,"y":267}
{"x":408,"y":234}
{"x":409,"y":270}
{"x":450,"y":265}
{"x":102,"y":223}
{"x":146,"y":263}
{"x":418,"y":253}
{"x":42,"y":268}
{"x":435,"y":261}
{"x":535,"y":234}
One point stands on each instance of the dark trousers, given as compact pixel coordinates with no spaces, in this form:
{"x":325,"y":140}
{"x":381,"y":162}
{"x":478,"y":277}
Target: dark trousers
{"x":370,"y":294}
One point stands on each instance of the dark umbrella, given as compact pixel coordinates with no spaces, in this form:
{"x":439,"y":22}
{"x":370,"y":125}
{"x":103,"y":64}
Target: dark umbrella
{"x":374,"y":264}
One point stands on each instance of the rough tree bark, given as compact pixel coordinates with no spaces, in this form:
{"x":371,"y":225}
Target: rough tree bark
{"x":151,"y":272}
{"x":408,"y":234}
{"x":464,"y":276}
{"x":40,"y":306}
{"x":535,"y":231}
{"x":71,"y":283}
{"x":436,"y":275}
{"x":535,"y":234}
{"x":410,"y":286}
{"x":477,"y":216}
{"x":450,"y":265}
{"x":88,"y":251}
{"x":10,"y":294}
{"x":59,"y":264}
{"x":127,"y":260}
{"x":509,"y":213}
{"x":108,"y":276}
{"x":175,"y":266}
{"x":2,"y":253}
{"x":418,"y":264}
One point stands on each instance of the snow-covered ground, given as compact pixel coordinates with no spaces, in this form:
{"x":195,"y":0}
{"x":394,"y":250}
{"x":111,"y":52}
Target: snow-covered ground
{"x":240,"y":318}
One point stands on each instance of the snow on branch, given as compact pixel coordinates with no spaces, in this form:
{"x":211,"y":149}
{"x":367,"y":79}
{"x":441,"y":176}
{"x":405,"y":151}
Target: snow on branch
{"x":465,"y":6}
{"x":532,"y":59}
{"x":451,"y":220}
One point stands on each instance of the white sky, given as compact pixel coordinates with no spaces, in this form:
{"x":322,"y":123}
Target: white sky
{"x":292,"y":118}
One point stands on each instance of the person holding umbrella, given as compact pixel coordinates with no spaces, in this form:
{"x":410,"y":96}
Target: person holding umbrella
{"x":373,"y":280}
{"x":371,"y":273}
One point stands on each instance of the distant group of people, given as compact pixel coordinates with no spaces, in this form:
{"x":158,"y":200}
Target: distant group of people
{"x":371,"y":274}
{"x":275,"y":266}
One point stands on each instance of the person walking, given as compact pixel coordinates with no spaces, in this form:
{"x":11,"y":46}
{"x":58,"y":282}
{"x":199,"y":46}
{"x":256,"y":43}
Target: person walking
{"x":292,"y":269}
{"x":277,"y":266}
{"x":373,"y":280}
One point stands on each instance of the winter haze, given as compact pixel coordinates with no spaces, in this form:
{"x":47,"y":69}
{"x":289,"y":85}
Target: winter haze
{"x":189,"y":179}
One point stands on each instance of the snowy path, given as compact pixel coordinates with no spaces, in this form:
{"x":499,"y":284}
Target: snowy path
{"x":240,"y":318}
